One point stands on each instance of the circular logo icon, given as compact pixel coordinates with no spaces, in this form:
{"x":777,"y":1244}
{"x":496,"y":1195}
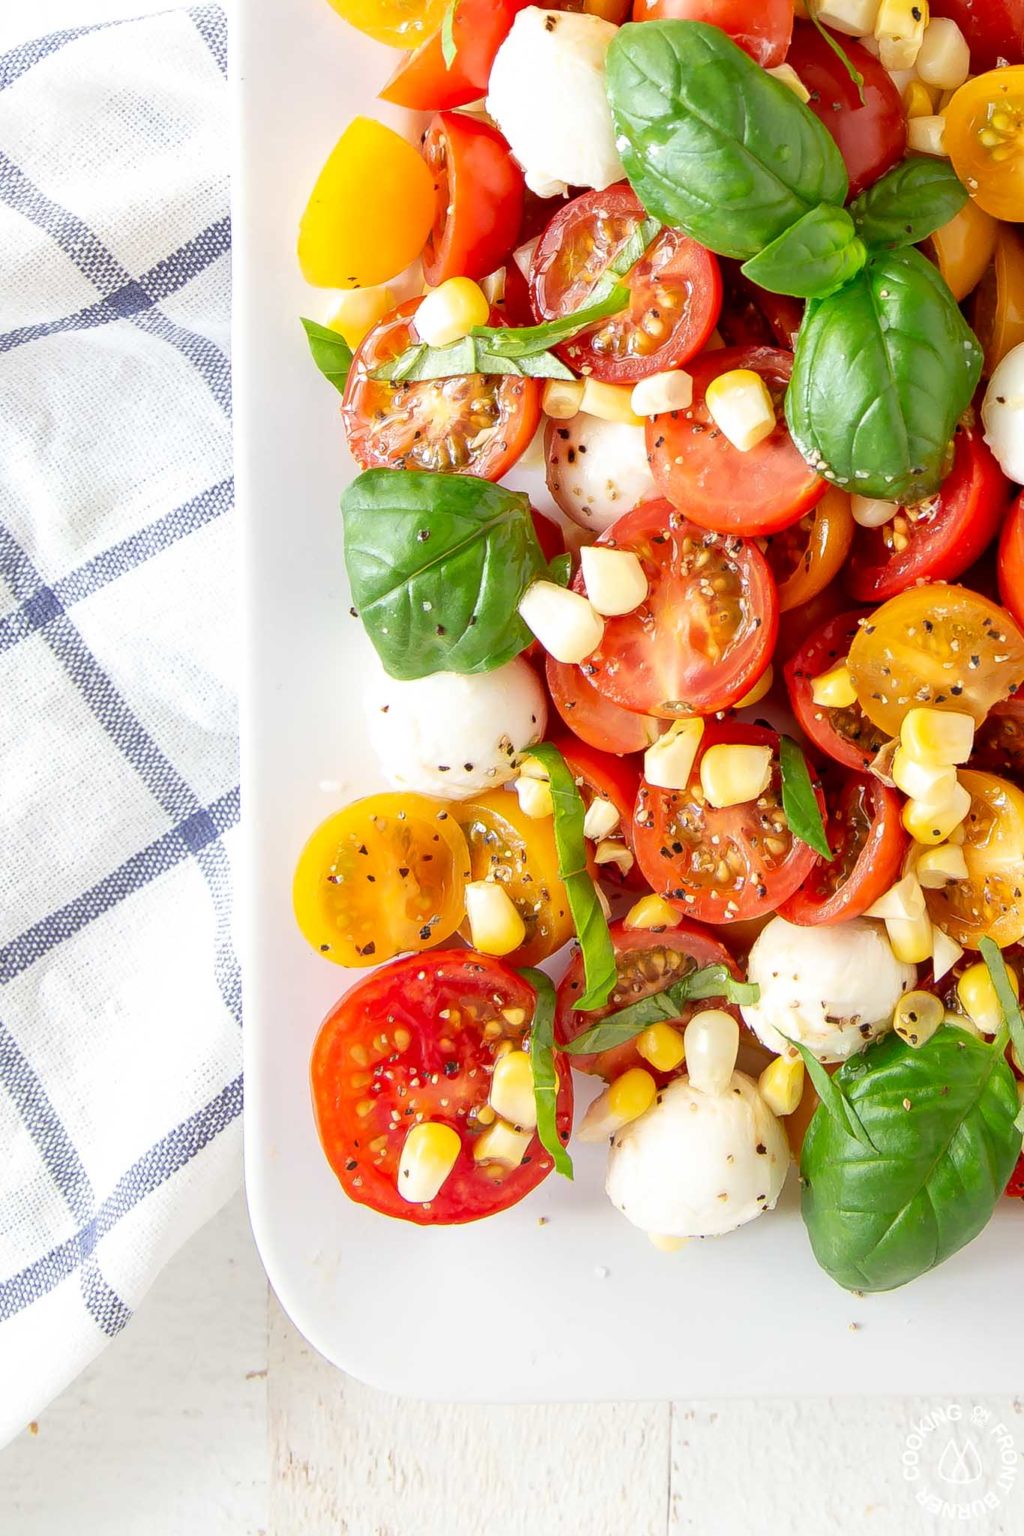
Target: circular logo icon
{"x":960,"y":1463}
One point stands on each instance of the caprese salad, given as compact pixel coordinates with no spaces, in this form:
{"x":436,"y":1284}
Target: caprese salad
{"x":721,"y":717}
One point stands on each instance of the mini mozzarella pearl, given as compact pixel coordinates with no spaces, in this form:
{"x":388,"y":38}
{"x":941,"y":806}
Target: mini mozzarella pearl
{"x":1003,"y":414}
{"x":598,"y":470}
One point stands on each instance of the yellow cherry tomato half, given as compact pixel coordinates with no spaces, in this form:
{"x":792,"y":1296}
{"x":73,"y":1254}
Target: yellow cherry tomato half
{"x":383,"y":876}
{"x":943,"y":647}
{"x":370,"y":212}
{"x":810,"y":554}
{"x":984,"y":138}
{"x":963,"y":248}
{"x":991,"y":900}
{"x":519,"y":851}
{"x":401,"y":23}
{"x":999,"y":302}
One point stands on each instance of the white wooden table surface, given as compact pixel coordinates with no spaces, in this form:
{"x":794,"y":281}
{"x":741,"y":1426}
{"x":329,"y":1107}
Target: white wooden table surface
{"x":211,"y":1417}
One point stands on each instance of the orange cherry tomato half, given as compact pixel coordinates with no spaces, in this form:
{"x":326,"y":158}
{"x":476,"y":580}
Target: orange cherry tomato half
{"x":706,"y":630}
{"x":868,"y":121}
{"x":675,"y":289}
{"x":963,"y":248}
{"x":867,"y":839}
{"x":479,"y":204}
{"x":984,"y":138}
{"x":594,"y":718}
{"x":386,"y":874}
{"x":990,"y":902}
{"x":999,"y":301}
{"x":700,"y":471}
{"x":938,"y":539}
{"x":518,"y":851}
{"x":400,"y":23}
{"x":808,"y":555}
{"x":845,"y":735}
{"x":417,"y":1041}
{"x":721,"y":866}
{"x":999,"y":743}
{"x":470,"y":425}
{"x":425,"y":83}
{"x":762,"y":30}
{"x":1011,"y":561}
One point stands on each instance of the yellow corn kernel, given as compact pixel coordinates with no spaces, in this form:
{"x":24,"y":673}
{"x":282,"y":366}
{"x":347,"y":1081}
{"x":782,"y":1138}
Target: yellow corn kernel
{"x":652,"y":912}
{"x":666,"y":1244}
{"x":940,"y":865}
{"x":917,"y":1017}
{"x":918,"y":100}
{"x":781,"y":1084}
{"x":562,"y":398}
{"x":358,"y":312}
{"x":762,"y":687}
{"x":601,"y":820}
{"x":732,"y":774}
{"x":977,"y":997}
{"x":899,"y":28}
{"x":787,"y":76}
{"x":931,"y":782}
{"x":944,"y":737}
{"x":502,"y":1143}
{"x":668,"y":762}
{"x":659,"y":392}
{"x":631,"y":1095}
{"x":611,"y":402}
{"x":911,"y":938}
{"x":932,"y":824}
{"x":612,"y":850}
{"x":927,"y":136}
{"x":834,"y":690}
{"x":534,"y":797}
{"x":946,"y":952}
{"x":661,"y":1045}
{"x":854,"y":17}
{"x":614,"y":579}
{"x":944,"y":61}
{"x":429,"y":1153}
{"x":450,"y":312}
{"x":712,"y":1040}
{"x":511,"y":1094}
{"x":741,"y":408}
{"x":494,"y":924}
{"x":903,"y":901}
{"x":870,"y":512}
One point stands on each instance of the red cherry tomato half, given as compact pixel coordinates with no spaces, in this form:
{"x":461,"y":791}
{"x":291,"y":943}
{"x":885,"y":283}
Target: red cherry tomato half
{"x":752,"y":317}
{"x":425,"y":83}
{"x":603,"y":776}
{"x":797,"y":625}
{"x":471,"y":425}
{"x":721,"y":866}
{"x":940,"y":538}
{"x":1011,"y":561}
{"x":479,"y":198}
{"x":418,"y":1039}
{"x":698,"y":469}
{"x":866,"y":835}
{"x":1015,"y":1188}
{"x":648,"y":960}
{"x":845,"y":735}
{"x":675,"y":288}
{"x":706,"y":630}
{"x":761,"y":29}
{"x":999,"y":742}
{"x":549,"y":535}
{"x":593,"y":718}
{"x":994,"y":29}
{"x":871,"y":135}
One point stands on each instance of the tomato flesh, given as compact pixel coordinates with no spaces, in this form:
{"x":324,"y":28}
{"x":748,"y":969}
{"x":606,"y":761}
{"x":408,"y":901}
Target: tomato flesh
{"x":706,"y":629}
{"x":479,"y":198}
{"x":867,"y":839}
{"x":717,"y":486}
{"x":417,"y":1040}
{"x":519,"y":852}
{"x":469,"y":425}
{"x":721,"y":866}
{"x":762,"y":30}
{"x":845,"y":735}
{"x":871,"y":133}
{"x":990,"y":902}
{"x":999,"y":743}
{"x":594,"y":718}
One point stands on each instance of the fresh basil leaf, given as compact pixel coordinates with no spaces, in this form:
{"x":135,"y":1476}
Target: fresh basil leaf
{"x":545,"y":1072}
{"x":940,"y":1118}
{"x":589,"y":920}
{"x":437,"y":565}
{"x":626,"y":1023}
{"x":799,"y":801}
{"x":330,"y":351}
{"x":625,"y":259}
{"x":883,"y":371}
{"x":525,"y":341}
{"x":811,"y":259}
{"x":837,"y":48}
{"x":710,"y":142}
{"x":1013,"y":1020}
{"x":449,"y":47}
{"x":470,"y":355}
{"x":914,"y":200}
{"x":831,"y":1095}
{"x":560,"y":570}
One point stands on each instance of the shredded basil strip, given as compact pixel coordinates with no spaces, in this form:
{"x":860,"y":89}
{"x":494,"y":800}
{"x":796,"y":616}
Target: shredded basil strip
{"x":799,"y":800}
{"x":626,"y":1024}
{"x":625,"y":259}
{"x":832,"y":1096}
{"x":449,"y":47}
{"x":545,"y":1073}
{"x":330,"y":351}
{"x":1013,"y":1019}
{"x":588,"y":917}
{"x":837,"y":48}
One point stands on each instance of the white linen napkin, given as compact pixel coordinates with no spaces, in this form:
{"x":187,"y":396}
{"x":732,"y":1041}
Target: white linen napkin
{"x":120,"y":997}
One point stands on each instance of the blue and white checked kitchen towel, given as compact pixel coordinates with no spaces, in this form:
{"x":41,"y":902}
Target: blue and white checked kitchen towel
{"x":120,"y":999}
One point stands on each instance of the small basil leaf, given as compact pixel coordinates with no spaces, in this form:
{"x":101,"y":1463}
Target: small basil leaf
{"x":449,"y":47}
{"x":811,"y":259}
{"x":626,"y":1023}
{"x":470,"y":355}
{"x":588,"y":917}
{"x":910,"y":203}
{"x":940,"y":1119}
{"x":883,"y":371}
{"x":560,"y":570}
{"x":527,"y":340}
{"x":437,"y":565}
{"x":1013,"y":1020}
{"x":831,"y":1095}
{"x":711,"y":143}
{"x":799,"y":801}
{"x":330,"y":351}
{"x":837,"y":48}
{"x":545,"y":1072}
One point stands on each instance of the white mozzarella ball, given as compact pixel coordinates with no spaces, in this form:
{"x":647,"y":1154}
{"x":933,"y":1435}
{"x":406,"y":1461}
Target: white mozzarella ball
{"x":833,"y":988}
{"x":598,"y":470}
{"x":1003,"y":414}
{"x":455,"y":735}
{"x":699,"y":1164}
{"x":547,"y":95}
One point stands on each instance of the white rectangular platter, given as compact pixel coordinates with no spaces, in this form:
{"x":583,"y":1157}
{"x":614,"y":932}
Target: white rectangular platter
{"x":558,"y":1298}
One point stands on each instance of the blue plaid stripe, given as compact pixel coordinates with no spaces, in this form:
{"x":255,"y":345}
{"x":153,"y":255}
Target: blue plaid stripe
{"x":209,"y":20}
